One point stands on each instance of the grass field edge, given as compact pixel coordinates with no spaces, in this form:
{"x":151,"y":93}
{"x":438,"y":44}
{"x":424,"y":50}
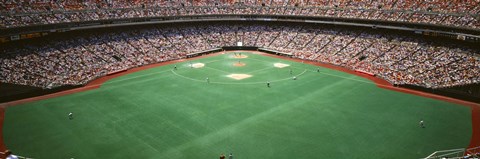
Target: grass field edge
{"x":475,"y":108}
{"x":2,"y":117}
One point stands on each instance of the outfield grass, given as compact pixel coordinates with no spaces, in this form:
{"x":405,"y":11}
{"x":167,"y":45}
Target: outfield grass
{"x":166,"y":113}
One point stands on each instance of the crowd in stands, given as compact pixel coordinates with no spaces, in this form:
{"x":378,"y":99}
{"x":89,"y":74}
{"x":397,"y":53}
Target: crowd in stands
{"x":77,"y":60}
{"x":464,"y":13}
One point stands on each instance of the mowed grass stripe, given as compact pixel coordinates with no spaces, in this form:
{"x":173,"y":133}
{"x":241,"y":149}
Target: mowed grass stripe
{"x":149,"y":114}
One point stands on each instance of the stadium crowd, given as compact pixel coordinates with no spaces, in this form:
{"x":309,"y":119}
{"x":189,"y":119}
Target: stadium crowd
{"x":16,"y":13}
{"x":400,"y":60}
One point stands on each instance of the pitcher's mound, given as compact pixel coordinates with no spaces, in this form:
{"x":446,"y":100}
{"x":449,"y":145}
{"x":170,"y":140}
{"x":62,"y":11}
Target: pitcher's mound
{"x":239,"y":76}
{"x":239,"y":64}
{"x":198,"y":65}
{"x":239,"y":56}
{"x":280,"y":65}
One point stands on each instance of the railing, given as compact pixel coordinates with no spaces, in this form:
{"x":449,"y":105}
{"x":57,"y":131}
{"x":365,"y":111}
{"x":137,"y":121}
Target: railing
{"x":3,"y":155}
{"x":455,"y":153}
{"x":238,"y":7}
{"x":475,"y":151}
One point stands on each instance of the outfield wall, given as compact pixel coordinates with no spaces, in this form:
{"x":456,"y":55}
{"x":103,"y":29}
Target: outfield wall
{"x":12,"y":92}
{"x":463,"y":92}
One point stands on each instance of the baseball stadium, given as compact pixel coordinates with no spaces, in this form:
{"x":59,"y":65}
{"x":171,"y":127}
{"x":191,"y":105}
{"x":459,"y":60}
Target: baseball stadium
{"x":239,"y":79}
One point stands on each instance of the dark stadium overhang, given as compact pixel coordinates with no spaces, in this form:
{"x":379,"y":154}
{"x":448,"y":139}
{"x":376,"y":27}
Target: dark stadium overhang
{"x":426,"y":29}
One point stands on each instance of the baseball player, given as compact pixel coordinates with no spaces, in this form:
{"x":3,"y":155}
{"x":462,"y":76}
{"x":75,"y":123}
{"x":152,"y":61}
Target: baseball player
{"x":422,"y":124}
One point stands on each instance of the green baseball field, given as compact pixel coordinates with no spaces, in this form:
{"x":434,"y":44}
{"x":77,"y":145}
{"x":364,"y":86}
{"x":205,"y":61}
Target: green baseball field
{"x":204,"y":107}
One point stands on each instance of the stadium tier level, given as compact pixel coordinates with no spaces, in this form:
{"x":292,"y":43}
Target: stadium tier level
{"x":462,"y":14}
{"x":203,"y":79}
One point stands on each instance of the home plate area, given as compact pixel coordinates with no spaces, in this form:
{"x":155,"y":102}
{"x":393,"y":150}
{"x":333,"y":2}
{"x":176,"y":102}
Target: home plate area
{"x":198,"y":65}
{"x":280,"y":65}
{"x":239,"y":76}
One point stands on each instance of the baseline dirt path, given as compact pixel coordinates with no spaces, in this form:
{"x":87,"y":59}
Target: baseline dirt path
{"x":475,"y":140}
